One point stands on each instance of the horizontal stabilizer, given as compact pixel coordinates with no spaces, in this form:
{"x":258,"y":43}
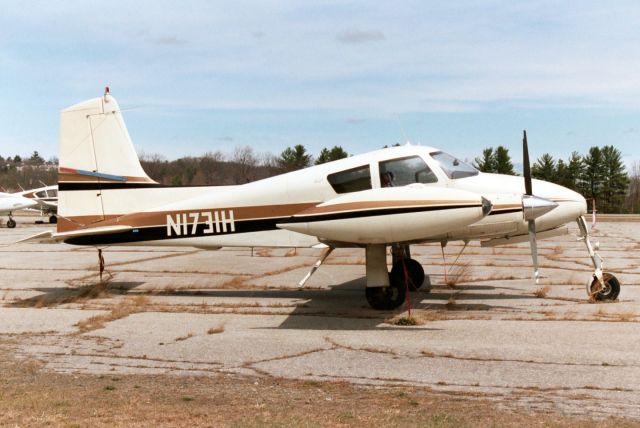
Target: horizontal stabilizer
{"x":52,"y":237}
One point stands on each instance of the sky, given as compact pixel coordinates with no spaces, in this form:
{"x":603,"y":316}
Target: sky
{"x":199,"y":76}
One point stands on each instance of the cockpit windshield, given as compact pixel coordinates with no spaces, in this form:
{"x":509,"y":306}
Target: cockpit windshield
{"x":453,"y":167}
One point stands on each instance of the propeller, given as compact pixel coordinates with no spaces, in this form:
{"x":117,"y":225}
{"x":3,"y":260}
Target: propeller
{"x":532,"y":206}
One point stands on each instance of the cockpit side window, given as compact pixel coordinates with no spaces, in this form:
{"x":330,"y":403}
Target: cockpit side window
{"x":351,"y":180}
{"x":403,"y":171}
{"x":454,"y":168}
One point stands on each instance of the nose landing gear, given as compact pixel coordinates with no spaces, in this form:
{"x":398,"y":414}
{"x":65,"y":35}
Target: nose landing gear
{"x":603,"y":286}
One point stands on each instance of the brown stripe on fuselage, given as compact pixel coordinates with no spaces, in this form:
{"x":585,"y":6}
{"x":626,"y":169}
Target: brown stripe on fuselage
{"x":500,"y":207}
{"x":159,"y":218}
{"x":372,"y":205}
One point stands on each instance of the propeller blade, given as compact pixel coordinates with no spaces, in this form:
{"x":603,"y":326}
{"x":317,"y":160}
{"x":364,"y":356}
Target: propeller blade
{"x":534,"y":249}
{"x":532,"y":207}
{"x":526,"y":167}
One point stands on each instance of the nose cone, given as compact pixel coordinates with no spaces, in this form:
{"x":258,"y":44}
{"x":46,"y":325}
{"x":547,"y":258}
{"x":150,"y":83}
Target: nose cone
{"x":570,"y":205}
{"x":534,"y":206}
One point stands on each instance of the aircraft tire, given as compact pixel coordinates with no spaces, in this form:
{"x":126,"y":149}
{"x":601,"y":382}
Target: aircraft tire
{"x":11,"y":223}
{"x":415,"y":271}
{"x":386,"y":298}
{"x":53,"y":219}
{"x":611,"y":288}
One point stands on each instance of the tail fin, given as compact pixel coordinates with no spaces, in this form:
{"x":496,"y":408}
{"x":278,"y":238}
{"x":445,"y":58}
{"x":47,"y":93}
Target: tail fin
{"x":96,"y":153}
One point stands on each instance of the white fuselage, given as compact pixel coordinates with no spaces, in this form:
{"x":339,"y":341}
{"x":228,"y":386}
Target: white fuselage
{"x":13,"y":202}
{"x":273,"y":200}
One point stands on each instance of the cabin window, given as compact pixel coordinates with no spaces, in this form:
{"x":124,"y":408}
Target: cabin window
{"x":403,"y":171}
{"x":41,"y":194}
{"x":351,"y":180}
{"x":453,"y":167}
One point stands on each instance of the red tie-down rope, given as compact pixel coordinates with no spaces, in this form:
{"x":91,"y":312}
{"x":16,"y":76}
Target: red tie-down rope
{"x":406,"y":285}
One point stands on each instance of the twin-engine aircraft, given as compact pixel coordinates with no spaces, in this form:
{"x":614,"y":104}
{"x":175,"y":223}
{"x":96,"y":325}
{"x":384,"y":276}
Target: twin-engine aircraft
{"x":43,"y":199}
{"x":10,"y":202}
{"x":46,"y":199}
{"x":392,"y":197}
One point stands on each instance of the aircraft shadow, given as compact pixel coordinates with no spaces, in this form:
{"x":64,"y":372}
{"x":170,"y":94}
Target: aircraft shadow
{"x":339,"y":307}
{"x":53,"y":296}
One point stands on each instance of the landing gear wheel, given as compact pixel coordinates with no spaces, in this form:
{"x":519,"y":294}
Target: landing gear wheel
{"x":11,"y":223}
{"x":609,"y":291}
{"x":53,"y":219}
{"x":414,"y":269}
{"x":386,"y":298}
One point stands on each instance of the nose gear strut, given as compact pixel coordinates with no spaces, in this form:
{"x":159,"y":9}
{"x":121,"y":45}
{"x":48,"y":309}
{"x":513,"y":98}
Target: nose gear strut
{"x":603,"y":285}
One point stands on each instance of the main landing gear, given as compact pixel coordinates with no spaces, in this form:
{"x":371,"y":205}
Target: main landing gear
{"x":388,"y":290}
{"x":602,"y":286}
{"x":11,"y":223}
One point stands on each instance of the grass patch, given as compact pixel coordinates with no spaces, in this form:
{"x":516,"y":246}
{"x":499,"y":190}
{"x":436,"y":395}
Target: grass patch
{"x":216,"y":330}
{"x":121,"y":310}
{"x":56,"y":399}
{"x":542,"y":292}
{"x":458,"y":273}
{"x":181,"y":338}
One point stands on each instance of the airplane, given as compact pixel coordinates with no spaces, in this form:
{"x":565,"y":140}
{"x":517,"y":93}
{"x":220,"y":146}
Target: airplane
{"x":10,"y":202}
{"x":388,"y":198}
{"x":46,"y":198}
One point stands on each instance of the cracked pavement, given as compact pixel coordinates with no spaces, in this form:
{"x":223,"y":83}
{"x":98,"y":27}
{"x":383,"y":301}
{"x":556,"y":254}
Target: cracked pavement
{"x":179,"y":311}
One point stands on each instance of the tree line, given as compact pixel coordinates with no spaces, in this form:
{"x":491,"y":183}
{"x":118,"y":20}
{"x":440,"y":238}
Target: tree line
{"x":242,"y":166}
{"x":28,"y":173}
{"x":599,"y":175}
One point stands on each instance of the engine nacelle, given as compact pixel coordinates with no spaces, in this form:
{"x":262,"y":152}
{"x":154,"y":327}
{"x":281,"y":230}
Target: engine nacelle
{"x":387,"y":215}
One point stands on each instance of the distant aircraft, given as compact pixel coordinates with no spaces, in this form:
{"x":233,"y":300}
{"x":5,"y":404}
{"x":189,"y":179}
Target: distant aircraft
{"x":46,"y":198}
{"x":106,"y":198}
{"x":10,"y":202}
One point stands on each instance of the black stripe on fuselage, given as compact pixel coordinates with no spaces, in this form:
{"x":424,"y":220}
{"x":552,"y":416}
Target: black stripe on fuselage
{"x":65,"y":187}
{"x":373,"y":213}
{"x":508,"y":211}
{"x":156,"y":233}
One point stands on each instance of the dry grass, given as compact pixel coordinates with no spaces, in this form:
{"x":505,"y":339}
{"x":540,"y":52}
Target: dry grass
{"x":181,"y":338}
{"x":458,"y":273}
{"x":41,"y":398}
{"x":406,"y":320}
{"x":451,"y":301}
{"x":263,"y":252}
{"x":123,"y":309}
{"x":216,"y":330}
{"x":542,"y":292}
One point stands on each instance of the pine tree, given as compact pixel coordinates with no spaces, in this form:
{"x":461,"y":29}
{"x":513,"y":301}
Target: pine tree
{"x":294,"y":158}
{"x":592,"y":177}
{"x":327,"y":155}
{"x":570,"y":178}
{"x":614,"y":180}
{"x":487,"y":162}
{"x":545,"y":168}
{"x":503,"y":161}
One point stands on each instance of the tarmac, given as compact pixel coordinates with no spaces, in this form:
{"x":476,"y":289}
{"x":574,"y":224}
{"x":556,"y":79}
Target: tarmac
{"x":490,"y":333}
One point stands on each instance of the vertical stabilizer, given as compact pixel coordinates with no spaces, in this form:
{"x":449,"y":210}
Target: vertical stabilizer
{"x":96,"y":153}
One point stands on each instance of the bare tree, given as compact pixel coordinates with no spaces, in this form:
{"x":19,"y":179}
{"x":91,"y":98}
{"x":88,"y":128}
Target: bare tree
{"x":245,"y":161}
{"x":633,"y":194}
